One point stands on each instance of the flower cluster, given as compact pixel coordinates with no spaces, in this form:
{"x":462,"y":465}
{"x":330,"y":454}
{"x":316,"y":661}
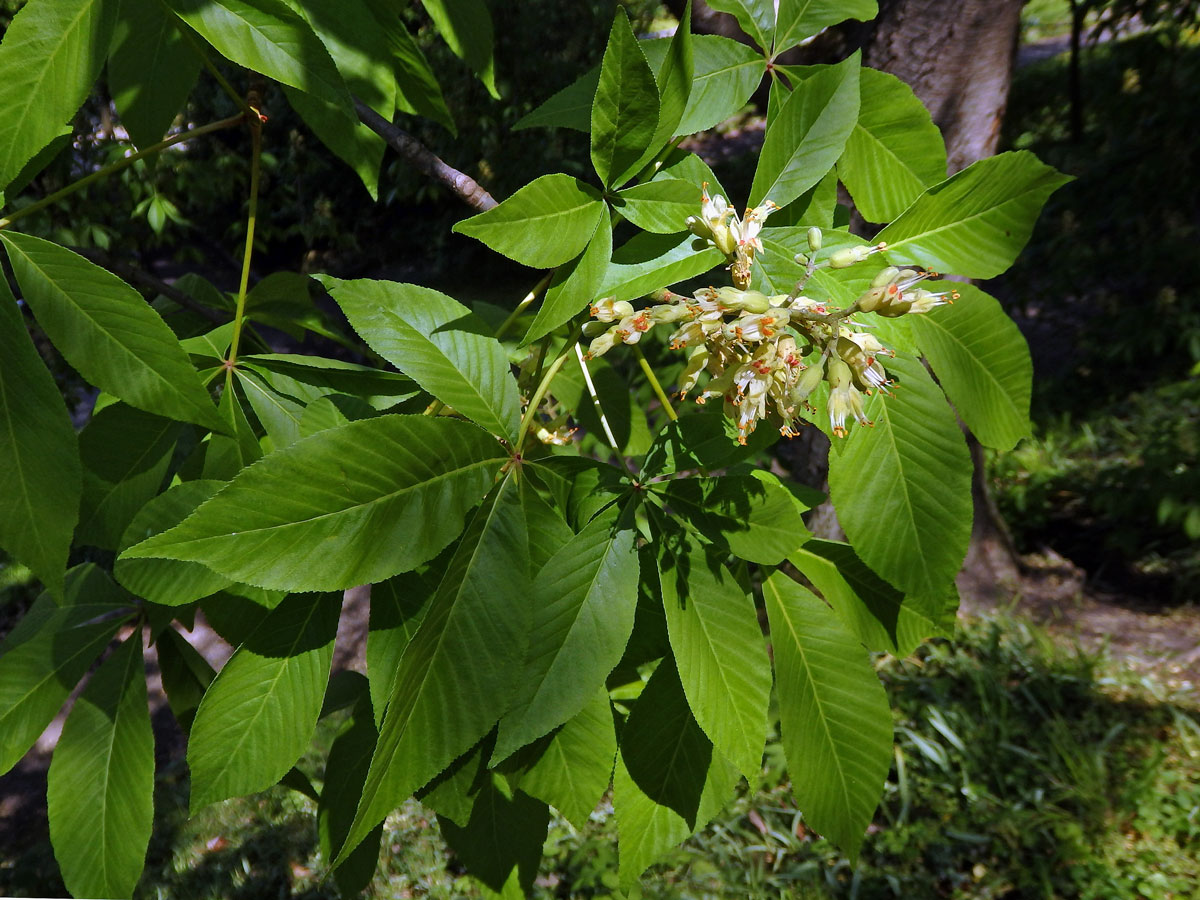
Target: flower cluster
{"x":767,"y":355}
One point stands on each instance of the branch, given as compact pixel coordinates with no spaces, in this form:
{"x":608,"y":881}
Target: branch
{"x":466,"y":187}
{"x":144,"y":278}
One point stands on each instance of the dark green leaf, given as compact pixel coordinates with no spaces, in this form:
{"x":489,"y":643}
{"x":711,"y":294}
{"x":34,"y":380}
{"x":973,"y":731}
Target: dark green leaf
{"x":466,"y":27}
{"x":505,"y":833}
{"x":569,"y":108}
{"x":353,"y":143}
{"x":398,"y":606}
{"x":186,"y":675}
{"x":574,"y":286}
{"x":756,"y":18}
{"x":674,"y":77}
{"x":660,"y":206}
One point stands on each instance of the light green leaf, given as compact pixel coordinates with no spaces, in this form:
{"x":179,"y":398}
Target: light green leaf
{"x":835,"y":719}
{"x":982,"y":362}
{"x":40,"y":478}
{"x":902,"y":489}
{"x":279,"y":414}
{"x":107,"y":331}
{"x":625,"y":108}
{"x":756,"y":18}
{"x":674,"y":77}
{"x":225,"y":457}
{"x":894,"y":152}
{"x":294,"y":375}
{"x":168,"y":581}
{"x":574,"y":769}
{"x":438,"y":342}
{"x":975,"y":223}
{"x":466,"y":27}
{"x":544,"y":224}
{"x":267,"y":36}
{"x":51,"y":55}
{"x":880,"y":616}
{"x":258,"y":715}
{"x":284,"y":524}
{"x":659,"y":206}
{"x":718,"y":648}
{"x":49,"y":651}
{"x":669,"y":781}
{"x":724,"y":75}
{"x":459,"y":670}
{"x":797,"y":20}
{"x":649,"y":261}
{"x":583,"y":605}
{"x":125,"y":454}
{"x":100,"y":787}
{"x":754,"y":516}
{"x":151,"y":69}
{"x":574,"y":286}
{"x":808,"y":135}
{"x":503,"y":838}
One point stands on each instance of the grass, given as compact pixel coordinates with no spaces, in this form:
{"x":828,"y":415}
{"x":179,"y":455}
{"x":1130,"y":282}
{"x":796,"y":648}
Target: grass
{"x":1023,"y":769}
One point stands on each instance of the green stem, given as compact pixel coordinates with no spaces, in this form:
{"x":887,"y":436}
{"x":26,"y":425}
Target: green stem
{"x":120,"y":164}
{"x":536,"y":400}
{"x":239,"y":316}
{"x":653,"y":379}
{"x":534,"y":293}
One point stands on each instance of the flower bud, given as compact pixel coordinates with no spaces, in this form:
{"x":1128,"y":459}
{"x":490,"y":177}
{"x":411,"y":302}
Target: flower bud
{"x":749,"y":301}
{"x":869,"y":302}
{"x":814,"y":239}
{"x":698,"y":227}
{"x":848,"y":256}
{"x":602,"y":344}
{"x":724,"y":239}
{"x":593,"y":328}
{"x":609,"y":310}
{"x":885,"y":277}
{"x":665,"y":313}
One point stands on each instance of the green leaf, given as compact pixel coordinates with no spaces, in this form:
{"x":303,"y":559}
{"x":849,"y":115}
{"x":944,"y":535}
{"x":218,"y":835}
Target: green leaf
{"x":505,"y":833}
{"x":700,"y":439}
{"x":880,"y":616}
{"x":353,"y":143}
{"x":625,"y":108}
{"x":982,"y":362}
{"x":258,"y":715}
{"x":100,"y":787}
{"x":51,"y":55}
{"x":583,"y":605}
{"x":345,"y":770}
{"x":125,"y":454}
{"x":417,"y":88}
{"x":437,"y":341}
{"x":398,"y":607}
{"x":808,"y":135}
{"x":894,"y":152}
{"x":185,"y":675}
{"x":548,"y":530}
{"x":107,"y":331}
{"x":647,"y":262}
{"x":356,"y":34}
{"x":574,"y":286}
{"x":168,"y":581}
{"x":574,"y":768}
{"x":674,"y":77}
{"x":267,"y":36}
{"x":466,"y":27}
{"x":659,"y":206}
{"x":975,"y":223}
{"x":544,"y":224}
{"x":756,"y":18}
{"x":724,"y":76}
{"x":279,"y":414}
{"x":797,"y":20}
{"x":669,"y":782}
{"x":40,"y":475}
{"x":902,"y":489}
{"x":754,"y":516}
{"x":718,"y":648}
{"x":459,"y":671}
{"x":834,"y":715}
{"x":293,"y":375}
{"x":284,"y":524}
{"x":151,"y":69}
{"x":569,"y":108}
{"x":225,"y":457}
{"x":49,"y":651}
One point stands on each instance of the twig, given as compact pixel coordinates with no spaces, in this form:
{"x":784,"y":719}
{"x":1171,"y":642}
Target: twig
{"x":466,"y":187}
{"x":142,"y":277}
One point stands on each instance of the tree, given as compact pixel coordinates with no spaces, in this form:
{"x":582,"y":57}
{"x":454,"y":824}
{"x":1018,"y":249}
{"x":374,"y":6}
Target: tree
{"x":517,"y":580}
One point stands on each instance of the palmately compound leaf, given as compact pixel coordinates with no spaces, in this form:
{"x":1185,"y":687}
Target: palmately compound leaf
{"x":404,"y":487}
{"x":544,"y":224}
{"x":108,"y":332}
{"x":574,"y":286}
{"x":982,"y":362}
{"x":796,"y":20}
{"x":40,"y":473}
{"x":459,"y":670}
{"x":583,"y":605}
{"x":903,"y":488}
{"x":258,"y":715}
{"x":975,"y":223}
{"x":100,"y":786}
{"x":835,"y":720}
{"x":437,"y":342}
{"x":52,"y":52}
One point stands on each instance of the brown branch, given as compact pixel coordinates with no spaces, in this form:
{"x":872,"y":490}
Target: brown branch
{"x":466,"y":187}
{"x":144,"y":278}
